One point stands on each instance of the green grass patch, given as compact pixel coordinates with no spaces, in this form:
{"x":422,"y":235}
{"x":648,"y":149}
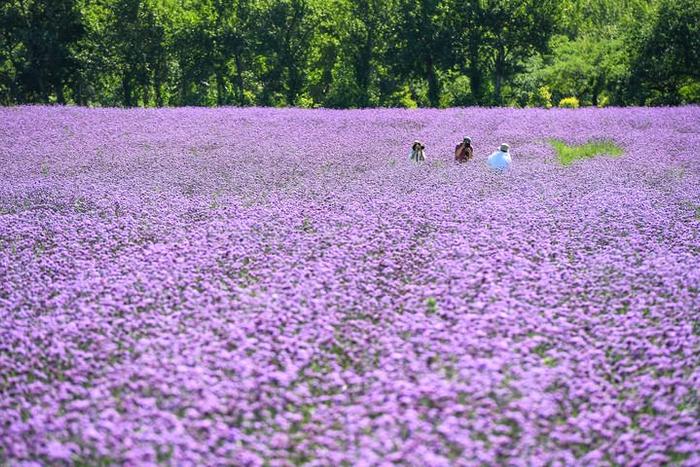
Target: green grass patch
{"x":432,"y":305}
{"x":567,"y":155}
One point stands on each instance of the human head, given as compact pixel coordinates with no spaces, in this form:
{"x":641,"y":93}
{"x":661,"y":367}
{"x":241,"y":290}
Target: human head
{"x":467,"y":140}
{"x":504,"y":147}
{"x":416,"y":145}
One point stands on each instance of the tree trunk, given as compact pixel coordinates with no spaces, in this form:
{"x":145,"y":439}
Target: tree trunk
{"x":220,"y":88}
{"x":363,"y":67}
{"x":159,"y":93}
{"x":78,"y":92}
{"x":292,"y":90}
{"x":146,"y":94}
{"x":475,"y":72}
{"x":126,"y":90}
{"x":42,"y":87}
{"x":498,"y":72}
{"x":183,"y":90}
{"x":294,"y":80}
{"x":497,"y":88}
{"x":363,"y":74}
{"x":433,"y":84}
{"x":60,"y":97}
{"x":239,"y":77}
{"x":598,"y":88}
{"x":476,"y":83}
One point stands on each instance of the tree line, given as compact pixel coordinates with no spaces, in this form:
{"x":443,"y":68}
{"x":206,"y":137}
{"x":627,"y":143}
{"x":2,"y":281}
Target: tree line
{"x":349,"y":53}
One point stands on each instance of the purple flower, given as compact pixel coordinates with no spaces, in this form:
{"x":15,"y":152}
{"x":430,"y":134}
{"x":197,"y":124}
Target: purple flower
{"x":279,"y":287}
{"x":57,"y":451}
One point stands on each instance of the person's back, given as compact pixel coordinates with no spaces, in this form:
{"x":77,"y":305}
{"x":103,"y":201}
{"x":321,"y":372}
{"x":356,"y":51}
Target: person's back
{"x":500,"y":160}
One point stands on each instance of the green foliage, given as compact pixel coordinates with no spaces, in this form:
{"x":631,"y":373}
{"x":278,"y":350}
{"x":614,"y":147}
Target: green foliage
{"x":349,"y":53}
{"x":457,"y":92}
{"x":431,"y":306}
{"x":517,"y":30}
{"x":569,"y":103}
{"x":541,"y":98}
{"x":667,"y":62}
{"x":402,"y":97}
{"x":590,"y":67}
{"x":586,"y":17}
{"x":567,"y":155}
{"x":422,"y":37}
{"x":690,"y":92}
{"x":37,"y":42}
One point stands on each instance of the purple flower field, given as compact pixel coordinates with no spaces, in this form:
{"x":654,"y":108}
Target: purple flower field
{"x":283,"y":287}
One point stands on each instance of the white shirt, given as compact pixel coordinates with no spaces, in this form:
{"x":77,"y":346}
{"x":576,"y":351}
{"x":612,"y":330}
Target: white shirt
{"x":500,"y":160}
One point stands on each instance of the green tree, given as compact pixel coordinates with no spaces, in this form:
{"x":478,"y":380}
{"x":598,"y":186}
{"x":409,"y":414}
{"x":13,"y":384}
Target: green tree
{"x":421,"y":43}
{"x":514,"y":31}
{"x":134,"y":40}
{"x":468,"y":44}
{"x":668,"y":59}
{"x":11,"y":51}
{"x":348,"y":53}
{"x":284,"y":31}
{"x":229,"y":43}
{"x":588,"y":17}
{"x":39,"y":39}
{"x":592,"y":68}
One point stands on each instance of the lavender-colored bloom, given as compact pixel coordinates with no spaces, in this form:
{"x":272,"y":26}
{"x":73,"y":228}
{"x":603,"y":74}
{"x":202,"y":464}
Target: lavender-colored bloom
{"x":276,"y":287}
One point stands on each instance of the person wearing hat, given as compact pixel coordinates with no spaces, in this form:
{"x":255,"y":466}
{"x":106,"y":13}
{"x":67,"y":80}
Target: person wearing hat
{"x":417,"y":152}
{"x":500,"y":160}
{"x":464,"y":151}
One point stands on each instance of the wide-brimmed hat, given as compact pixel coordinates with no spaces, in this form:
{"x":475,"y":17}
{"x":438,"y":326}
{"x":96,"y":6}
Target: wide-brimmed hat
{"x":504,"y":147}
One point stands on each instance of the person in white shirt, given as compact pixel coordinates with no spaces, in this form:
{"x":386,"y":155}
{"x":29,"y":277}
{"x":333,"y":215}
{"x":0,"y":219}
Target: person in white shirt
{"x":500,"y":160}
{"x":417,"y":152}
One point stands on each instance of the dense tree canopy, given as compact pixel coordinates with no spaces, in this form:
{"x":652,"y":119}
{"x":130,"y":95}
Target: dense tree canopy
{"x":349,"y":53}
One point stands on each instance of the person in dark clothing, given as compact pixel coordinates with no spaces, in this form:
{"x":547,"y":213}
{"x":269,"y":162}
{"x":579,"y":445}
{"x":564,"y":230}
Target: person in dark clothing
{"x":464,"y":150}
